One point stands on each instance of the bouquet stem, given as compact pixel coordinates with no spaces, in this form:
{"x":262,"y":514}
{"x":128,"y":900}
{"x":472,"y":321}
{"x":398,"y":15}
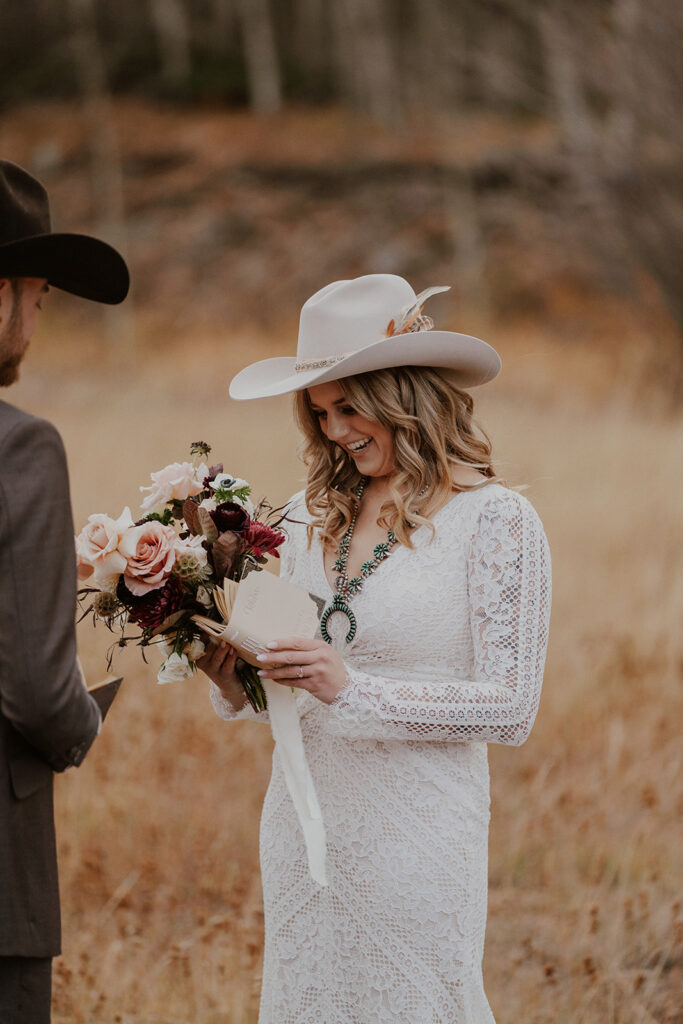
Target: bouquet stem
{"x":248,"y":676}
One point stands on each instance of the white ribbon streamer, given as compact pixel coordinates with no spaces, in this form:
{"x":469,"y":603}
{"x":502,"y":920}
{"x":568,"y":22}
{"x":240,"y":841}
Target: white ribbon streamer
{"x":284,"y":722}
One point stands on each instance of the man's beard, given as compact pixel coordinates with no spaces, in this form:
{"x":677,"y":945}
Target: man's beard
{"x":12,"y":342}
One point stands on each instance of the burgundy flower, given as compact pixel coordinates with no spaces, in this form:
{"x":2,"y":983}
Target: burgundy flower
{"x":213,"y":473}
{"x":153,"y":608}
{"x":230,"y":516}
{"x":263,"y":539}
{"x":225,"y":554}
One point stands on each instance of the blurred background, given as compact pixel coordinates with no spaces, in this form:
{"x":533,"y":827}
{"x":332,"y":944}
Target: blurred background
{"x":242,"y":154}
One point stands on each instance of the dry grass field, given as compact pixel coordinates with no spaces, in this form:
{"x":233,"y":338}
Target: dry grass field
{"x":158,"y":830}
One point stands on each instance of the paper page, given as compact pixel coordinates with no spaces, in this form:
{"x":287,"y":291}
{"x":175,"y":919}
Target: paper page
{"x":267,"y":608}
{"x":225,"y":598}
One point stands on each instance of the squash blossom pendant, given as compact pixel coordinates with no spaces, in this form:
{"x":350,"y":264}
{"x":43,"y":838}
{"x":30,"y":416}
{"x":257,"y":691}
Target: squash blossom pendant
{"x":346,"y":587}
{"x":338,"y":604}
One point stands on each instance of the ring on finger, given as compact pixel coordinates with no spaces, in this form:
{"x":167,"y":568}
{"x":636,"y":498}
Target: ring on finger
{"x":300,"y":673}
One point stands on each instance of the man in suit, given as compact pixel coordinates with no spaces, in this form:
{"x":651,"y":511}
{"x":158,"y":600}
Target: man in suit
{"x":47,"y":718}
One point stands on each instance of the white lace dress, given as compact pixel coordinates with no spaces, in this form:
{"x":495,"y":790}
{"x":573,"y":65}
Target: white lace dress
{"x":448,"y":657}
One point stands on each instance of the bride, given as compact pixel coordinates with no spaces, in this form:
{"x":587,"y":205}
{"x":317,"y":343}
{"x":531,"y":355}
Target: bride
{"x":437,"y":584}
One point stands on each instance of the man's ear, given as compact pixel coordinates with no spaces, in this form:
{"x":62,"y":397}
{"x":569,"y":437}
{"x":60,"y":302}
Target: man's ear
{"x":6,"y":298}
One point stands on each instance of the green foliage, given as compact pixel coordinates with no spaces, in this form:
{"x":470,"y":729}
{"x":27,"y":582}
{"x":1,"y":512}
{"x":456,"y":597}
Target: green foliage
{"x":184,"y":637}
{"x":165,"y":518}
{"x":238,"y":494}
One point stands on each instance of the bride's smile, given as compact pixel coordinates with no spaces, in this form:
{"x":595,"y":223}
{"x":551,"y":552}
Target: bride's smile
{"x":370,"y":445}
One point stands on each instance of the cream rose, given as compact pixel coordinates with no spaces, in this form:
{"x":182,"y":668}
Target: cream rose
{"x":149,"y":550}
{"x":178,"y":481}
{"x":193,"y":650}
{"x":97,"y":546}
{"x":176,"y":668}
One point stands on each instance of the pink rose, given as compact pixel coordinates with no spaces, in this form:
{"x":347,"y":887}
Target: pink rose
{"x":83,"y":568}
{"x":150,"y":553}
{"x":97,"y":545}
{"x":180,"y":480}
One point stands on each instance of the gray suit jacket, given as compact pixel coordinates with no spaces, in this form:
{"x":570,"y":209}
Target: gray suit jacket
{"x":47,"y":719}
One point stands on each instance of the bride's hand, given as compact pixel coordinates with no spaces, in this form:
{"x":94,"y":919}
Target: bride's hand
{"x":308,"y":664}
{"x":218,"y":663}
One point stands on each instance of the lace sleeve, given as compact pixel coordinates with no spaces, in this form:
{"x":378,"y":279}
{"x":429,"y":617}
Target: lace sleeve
{"x":509,"y":598}
{"x":221,"y":706}
{"x":225,"y":710}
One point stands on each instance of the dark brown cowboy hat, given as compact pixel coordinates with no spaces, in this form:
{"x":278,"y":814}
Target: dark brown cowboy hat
{"x":78,"y":264}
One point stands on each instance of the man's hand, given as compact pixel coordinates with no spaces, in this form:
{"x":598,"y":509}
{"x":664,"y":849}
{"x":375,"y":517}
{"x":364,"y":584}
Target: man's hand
{"x":308,"y":664}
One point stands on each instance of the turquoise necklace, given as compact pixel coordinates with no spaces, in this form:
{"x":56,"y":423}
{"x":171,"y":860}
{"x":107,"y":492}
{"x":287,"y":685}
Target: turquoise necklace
{"x":346,"y":587}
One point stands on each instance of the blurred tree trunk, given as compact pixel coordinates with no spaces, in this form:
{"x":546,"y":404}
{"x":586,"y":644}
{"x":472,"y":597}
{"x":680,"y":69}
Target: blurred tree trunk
{"x":435,"y":48}
{"x":224,"y":18}
{"x":173,"y":34}
{"x":648,"y":192}
{"x":365,"y":60}
{"x":261,"y":57}
{"x":311,"y":42}
{"x":620,"y":141}
{"x":631,"y":200}
{"x":107,"y":172}
{"x":565,"y":38}
{"x":567,"y":91}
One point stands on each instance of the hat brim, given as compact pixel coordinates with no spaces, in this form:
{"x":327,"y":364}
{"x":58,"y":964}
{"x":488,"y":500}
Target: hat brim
{"x":469,"y":361}
{"x":78,"y":264}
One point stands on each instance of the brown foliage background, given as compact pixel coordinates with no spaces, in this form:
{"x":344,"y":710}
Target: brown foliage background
{"x":526,"y":168}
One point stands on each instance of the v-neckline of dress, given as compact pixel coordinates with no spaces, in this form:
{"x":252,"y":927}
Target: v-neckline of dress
{"x":321,"y":552}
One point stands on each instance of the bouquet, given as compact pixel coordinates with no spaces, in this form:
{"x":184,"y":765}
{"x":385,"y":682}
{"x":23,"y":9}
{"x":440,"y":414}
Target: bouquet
{"x":169,"y":570}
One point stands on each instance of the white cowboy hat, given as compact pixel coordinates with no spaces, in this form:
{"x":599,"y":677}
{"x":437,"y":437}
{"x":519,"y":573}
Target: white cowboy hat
{"x":369,"y":323}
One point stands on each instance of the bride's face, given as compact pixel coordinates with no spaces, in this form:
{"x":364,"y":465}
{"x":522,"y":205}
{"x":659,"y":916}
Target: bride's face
{"x":367,"y":442}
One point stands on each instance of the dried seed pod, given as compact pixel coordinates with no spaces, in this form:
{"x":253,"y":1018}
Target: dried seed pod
{"x":106,"y":605}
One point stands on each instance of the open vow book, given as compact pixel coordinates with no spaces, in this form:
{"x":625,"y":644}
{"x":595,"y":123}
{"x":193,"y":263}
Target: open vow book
{"x":259,"y":609}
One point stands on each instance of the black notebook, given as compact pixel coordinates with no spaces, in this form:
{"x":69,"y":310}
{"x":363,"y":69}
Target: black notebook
{"x":104,"y":693}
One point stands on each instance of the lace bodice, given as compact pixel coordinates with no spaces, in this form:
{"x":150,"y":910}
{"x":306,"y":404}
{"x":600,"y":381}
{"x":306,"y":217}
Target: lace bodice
{"x":485,"y":684}
{"x":448,"y":656}
{"x":486,"y":574}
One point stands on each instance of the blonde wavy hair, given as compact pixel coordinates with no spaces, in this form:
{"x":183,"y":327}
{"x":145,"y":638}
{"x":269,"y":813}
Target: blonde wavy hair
{"x":433,"y":430}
